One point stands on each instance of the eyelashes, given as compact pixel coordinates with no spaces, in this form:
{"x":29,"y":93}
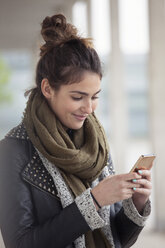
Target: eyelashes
{"x":76,"y":98}
{"x":80,"y":98}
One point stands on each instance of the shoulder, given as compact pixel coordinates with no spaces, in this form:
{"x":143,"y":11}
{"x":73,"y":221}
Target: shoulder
{"x":15,"y":148}
{"x":19,"y":158}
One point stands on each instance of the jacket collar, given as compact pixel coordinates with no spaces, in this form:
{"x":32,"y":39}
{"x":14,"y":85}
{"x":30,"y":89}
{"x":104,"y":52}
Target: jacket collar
{"x":34,"y":172}
{"x":18,"y":132}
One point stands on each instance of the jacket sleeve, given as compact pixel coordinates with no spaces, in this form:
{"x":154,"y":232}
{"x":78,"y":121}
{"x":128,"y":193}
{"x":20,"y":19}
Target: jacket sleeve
{"x":18,"y":222}
{"x":126,"y":222}
{"x":125,"y":231}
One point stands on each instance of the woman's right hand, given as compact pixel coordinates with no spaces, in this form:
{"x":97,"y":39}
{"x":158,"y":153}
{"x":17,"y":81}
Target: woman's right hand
{"x":115,"y":188}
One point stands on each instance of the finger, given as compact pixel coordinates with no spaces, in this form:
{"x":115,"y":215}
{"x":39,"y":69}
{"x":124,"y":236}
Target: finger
{"x":144,"y":183}
{"x":145,"y":173}
{"x":132,"y":175}
{"x":132,"y":185}
{"x":142,"y":191}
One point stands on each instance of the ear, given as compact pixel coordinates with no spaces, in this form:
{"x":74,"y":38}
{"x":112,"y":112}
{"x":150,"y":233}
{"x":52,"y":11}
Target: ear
{"x":46,"y":89}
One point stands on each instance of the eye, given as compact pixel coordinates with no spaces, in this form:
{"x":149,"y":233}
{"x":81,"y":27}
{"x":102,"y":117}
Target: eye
{"x":95,"y":97}
{"x":77,"y":98}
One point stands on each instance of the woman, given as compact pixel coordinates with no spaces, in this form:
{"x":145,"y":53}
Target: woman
{"x":57,"y":184}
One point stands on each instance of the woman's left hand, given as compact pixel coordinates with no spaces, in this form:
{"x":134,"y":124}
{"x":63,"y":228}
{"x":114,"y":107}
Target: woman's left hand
{"x":142,"y":193}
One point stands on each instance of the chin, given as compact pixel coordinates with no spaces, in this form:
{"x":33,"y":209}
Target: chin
{"x":76,"y":127}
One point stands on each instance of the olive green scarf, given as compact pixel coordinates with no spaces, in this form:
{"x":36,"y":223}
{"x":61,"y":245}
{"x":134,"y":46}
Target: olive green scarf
{"x":80,"y":159}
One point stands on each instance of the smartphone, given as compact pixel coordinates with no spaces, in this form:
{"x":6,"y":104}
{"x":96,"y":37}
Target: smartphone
{"x":145,"y":162}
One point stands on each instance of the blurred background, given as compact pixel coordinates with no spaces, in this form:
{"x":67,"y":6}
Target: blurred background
{"x":129,"y":36}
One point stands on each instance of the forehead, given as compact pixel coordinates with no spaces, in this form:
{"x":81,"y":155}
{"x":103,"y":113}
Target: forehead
{"x":89,"y":84}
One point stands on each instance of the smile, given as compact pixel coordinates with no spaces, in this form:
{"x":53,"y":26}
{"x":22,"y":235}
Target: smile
{"x":80,"y":117}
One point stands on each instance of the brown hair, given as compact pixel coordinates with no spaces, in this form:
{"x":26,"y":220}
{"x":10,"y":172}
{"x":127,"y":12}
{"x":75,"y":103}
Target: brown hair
{"x":65,"y":56}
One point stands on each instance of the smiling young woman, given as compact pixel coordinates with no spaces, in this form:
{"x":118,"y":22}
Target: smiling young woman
{"x":72,"y":103}
{"x":57,"y":182}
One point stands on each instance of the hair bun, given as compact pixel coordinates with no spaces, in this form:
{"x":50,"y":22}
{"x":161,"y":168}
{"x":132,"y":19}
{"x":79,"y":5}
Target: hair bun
{"x":54,"y":21}
{"x":55,"y":30}
{"x":52,"y":26}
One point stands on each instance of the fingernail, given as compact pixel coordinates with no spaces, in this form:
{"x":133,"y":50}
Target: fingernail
{"x":134,"y":188}
{"x":134,"y":180}
{"x":140,"y":172}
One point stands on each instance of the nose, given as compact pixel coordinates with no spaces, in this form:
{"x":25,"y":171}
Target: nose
{"x":87,"y":107}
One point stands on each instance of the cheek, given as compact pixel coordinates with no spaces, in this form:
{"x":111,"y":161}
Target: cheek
{"x":74,"y":105}
{"x":71,"y":107}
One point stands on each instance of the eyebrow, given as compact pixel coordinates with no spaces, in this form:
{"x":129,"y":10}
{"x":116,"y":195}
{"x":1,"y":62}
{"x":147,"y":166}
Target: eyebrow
{"x":83,"y":93}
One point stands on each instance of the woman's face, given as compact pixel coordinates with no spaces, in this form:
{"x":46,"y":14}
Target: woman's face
{"x":72,"y":103}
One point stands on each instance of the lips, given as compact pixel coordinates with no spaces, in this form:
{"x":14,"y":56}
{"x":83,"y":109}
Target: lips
{"x":80,"y":117}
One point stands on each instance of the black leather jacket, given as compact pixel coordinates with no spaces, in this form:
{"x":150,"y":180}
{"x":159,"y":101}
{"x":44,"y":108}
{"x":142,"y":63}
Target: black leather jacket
{"x":31,"y":215}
